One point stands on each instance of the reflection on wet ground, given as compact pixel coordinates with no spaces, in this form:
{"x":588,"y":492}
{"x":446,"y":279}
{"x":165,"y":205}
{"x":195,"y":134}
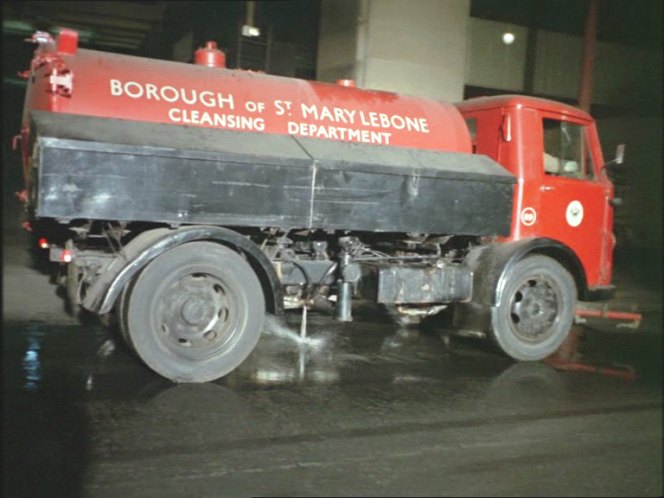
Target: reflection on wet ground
{"x":83,"y":416}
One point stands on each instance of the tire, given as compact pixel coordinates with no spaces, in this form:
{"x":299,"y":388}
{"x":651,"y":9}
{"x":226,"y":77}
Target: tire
{"x":121,"y":315}
{"x":536,"y":309}
{"x":195,"y":313}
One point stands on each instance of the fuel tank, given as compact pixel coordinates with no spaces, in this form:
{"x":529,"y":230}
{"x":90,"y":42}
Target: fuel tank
{"x":114,"y":137}
{"x":65,"y":78}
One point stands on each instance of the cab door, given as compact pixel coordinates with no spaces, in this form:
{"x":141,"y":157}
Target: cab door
{"x":574,"y":197}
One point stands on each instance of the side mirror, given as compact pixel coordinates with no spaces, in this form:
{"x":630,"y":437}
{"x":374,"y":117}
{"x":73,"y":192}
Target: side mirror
{"x":620,"y":156}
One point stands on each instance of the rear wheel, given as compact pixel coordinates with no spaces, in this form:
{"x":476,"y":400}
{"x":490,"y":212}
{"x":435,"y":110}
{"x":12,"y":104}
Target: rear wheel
{"x":121,"y":314}
{"x":195,"y":313}
{"x":536,"y":310}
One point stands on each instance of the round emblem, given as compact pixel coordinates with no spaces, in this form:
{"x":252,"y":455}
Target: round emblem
{"x":574,"y":214}
{"x":528,"y":216}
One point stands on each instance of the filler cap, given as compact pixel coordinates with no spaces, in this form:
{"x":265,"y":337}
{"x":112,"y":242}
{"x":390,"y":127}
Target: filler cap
{"x":210,"y":56}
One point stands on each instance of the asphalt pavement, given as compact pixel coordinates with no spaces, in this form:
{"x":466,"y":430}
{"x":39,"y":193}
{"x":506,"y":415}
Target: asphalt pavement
{"x":363,"y":409}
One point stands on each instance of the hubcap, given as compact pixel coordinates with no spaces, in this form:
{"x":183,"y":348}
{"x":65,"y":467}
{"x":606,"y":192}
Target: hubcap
{"x":534,"y":309}
{"x":196,"y":315}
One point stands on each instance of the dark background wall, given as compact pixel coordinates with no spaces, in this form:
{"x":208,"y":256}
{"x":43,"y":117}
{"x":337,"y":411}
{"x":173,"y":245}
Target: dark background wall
{"x":288,"y":46}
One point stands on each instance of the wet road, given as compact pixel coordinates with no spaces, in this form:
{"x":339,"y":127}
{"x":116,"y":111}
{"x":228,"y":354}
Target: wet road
{"x":366,"y":409}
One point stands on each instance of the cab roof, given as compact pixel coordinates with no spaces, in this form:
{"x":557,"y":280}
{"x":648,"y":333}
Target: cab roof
{"x":481,"y":103}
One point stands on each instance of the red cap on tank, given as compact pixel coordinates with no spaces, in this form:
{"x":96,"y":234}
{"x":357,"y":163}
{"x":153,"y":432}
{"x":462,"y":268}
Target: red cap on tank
{"x":210,"y":56}
{"x":67,"y":41}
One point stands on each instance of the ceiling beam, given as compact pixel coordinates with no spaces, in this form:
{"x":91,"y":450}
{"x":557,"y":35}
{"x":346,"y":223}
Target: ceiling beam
{"x":129,"y":11}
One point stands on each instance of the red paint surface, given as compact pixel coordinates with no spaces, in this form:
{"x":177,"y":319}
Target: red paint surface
{"x":509,"y":127}
{"x":611,"y":315}
{"x":545,"y":195}
{"x":627,"y":374}
{"x":263,"y":99}
{"x":210,"y":56}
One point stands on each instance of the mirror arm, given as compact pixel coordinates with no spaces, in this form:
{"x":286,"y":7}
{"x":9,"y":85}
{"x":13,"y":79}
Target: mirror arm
{"x":620,"y":154}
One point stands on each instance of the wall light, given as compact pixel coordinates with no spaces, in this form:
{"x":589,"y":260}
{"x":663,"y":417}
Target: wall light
{"x":250,"y":31}
{"x":508,"y":38}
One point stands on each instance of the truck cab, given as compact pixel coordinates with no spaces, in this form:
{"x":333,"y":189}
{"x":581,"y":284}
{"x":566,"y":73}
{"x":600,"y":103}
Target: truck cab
{"x":563,"y":192}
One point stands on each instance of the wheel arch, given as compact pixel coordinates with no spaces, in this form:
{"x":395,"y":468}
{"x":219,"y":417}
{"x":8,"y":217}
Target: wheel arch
{"x":490,"y":264}
{"x":103,"y":293}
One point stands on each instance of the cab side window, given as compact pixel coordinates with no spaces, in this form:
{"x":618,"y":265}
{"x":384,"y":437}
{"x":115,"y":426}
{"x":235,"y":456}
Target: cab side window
{"x":566,"y":151}
{"x":471,"y":123}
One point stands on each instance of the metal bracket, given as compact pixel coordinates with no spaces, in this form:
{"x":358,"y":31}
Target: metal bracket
{"x":61,"y":81}
{"x":633,"y":319}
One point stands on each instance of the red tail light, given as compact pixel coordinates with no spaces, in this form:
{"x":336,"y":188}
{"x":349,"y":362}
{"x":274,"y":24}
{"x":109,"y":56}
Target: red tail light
{"x":66,"y":256}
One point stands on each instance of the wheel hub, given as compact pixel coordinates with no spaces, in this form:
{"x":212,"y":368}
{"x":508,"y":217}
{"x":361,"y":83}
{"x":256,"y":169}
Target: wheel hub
{"x":196,"y":314}
{"x":534,"y":309}
{"x":196,"y":311}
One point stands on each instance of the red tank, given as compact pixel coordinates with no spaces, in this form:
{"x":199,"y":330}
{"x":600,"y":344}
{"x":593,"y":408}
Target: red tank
{"x":71,"y":80}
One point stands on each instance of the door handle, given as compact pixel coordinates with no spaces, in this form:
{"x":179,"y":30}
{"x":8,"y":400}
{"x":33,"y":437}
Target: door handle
{"x":547,"y":188}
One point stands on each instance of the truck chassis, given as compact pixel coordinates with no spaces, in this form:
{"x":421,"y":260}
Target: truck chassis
{"x":193,"y":237}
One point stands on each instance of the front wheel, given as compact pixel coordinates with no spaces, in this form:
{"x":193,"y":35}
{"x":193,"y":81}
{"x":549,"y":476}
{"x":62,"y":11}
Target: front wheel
{"x":195,"y":313}
{"x":536,"y":309}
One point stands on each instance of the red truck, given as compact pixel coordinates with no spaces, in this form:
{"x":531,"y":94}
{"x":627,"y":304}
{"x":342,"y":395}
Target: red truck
{"x":192,"y":199}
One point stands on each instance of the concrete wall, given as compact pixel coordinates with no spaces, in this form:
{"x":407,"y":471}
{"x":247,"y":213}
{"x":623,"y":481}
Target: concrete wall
{"x":337,"y":42}
{"x":491,"y":63}
{"x":433,"y":48}
{"x":183,"y":49}
{"x":558,"y":63}
{"x":621,"y":73}
{"x":638,"y":180}
{"x":416,"y":47}
{"x":617,"y":68}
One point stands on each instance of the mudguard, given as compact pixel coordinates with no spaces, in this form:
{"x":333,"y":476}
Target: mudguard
{"x":489,"y":263}
{"x":103,"y":293}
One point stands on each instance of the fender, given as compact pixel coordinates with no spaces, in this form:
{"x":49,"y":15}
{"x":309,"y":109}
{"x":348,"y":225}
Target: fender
{"x":490,"y":263}
{"x":148,"y":245}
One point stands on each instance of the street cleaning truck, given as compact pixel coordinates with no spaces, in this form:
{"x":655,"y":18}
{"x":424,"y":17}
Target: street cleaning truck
{"x":191,"y":200}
